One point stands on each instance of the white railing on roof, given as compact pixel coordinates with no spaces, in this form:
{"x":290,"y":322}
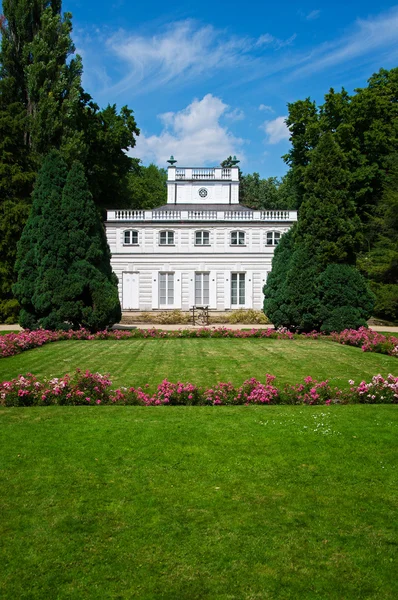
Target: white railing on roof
{"x":201,"y":215}
{"x":166,"y":215}
{"x":276,"y":215}
{"x":180,"y":173}
{"x":239,"y":215}
{"x":203,"y":174}
{"x":130,"y":215}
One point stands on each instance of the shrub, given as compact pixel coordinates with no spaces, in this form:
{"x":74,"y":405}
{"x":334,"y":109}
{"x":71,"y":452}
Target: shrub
{"x":93,"y":389}
{"x":345,"y":301}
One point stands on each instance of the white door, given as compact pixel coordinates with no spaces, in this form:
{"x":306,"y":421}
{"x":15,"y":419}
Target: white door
{"x":130,"y":292}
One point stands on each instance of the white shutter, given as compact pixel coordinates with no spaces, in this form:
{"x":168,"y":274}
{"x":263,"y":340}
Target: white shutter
{"x":177,"y":289}
{"x":249,"y":290}
{"x":227,"y":289}
{"x":155,"y":289}
{"x":213,"y":289}
{"x":191,"y":283}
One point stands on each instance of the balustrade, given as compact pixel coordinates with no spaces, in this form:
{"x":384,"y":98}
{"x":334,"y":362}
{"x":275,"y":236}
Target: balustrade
{"x":201,"y":215}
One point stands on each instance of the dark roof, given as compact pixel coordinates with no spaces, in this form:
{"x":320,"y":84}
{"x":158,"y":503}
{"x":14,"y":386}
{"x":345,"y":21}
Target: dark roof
{"x":202,"y":207}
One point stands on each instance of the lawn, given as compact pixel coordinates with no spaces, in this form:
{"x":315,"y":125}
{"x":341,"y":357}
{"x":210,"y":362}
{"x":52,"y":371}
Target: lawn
{"x":199,"y":503}
{"x":202,"y":361}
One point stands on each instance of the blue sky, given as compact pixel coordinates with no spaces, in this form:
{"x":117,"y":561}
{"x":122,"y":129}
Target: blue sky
{"x":209,"y":79}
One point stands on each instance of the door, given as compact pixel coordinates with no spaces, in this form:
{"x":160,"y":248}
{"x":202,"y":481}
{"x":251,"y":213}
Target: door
{"x":130,"y":291}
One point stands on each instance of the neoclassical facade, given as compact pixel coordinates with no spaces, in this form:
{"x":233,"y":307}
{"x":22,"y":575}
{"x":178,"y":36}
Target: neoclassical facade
{"x":200,"y":249}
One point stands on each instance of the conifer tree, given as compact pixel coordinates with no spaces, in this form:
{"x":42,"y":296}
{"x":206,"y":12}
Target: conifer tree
{"x":327,"y":235}
{"x":63,"y":264}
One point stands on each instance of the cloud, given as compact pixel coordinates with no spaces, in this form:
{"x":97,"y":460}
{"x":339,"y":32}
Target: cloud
{"x":276,"y":130}
{"x":314,"y":14}
{"x":182,"y":51}
{"x":370,"y":36}
{"x":193,"y":135}
{"x":235,"y":115}
{"x":266,"y":107}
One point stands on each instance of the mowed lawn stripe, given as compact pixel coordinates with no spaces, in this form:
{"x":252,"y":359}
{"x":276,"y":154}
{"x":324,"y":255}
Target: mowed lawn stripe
{"x":201,"y":361}
{"x":195,"y":503}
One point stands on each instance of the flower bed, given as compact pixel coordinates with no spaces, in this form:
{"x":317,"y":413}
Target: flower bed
{"x":366,"y":339}
{"x":93,"y":389}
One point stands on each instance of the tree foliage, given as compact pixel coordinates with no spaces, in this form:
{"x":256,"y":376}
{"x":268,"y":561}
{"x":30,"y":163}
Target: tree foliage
{"x":147,"y":187}
{"x":43,"y":106}
{"x":63,"y":262}
{"x":320,"y":249}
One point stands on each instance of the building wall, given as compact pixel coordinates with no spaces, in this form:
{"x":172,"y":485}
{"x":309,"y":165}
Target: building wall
{"x":138,"y":266}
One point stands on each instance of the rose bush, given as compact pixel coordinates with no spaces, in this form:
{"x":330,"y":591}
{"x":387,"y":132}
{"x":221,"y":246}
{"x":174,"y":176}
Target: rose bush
{"x":92,"y":389}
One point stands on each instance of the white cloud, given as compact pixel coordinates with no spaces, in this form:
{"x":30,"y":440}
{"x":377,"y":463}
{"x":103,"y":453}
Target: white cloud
{"x":314,"y":14}
{"x":193,"y":135}
{"x":276,"y":130}
{"x":370,"y":36}
{"x":266,"y":107}
{"x":235,"y":115}
{"x":183,"y":51}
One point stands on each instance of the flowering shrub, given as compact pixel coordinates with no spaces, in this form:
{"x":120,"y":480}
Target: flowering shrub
{"x":91,"y":389}
{"x":311,"y":392}
{"x":368,"y":340}
{"x":176,"y":394}
{"x":378,"y":391}
{"x":14,"y":343}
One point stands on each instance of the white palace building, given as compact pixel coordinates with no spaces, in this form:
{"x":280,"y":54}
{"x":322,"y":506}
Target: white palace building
{"x":200,"y":249}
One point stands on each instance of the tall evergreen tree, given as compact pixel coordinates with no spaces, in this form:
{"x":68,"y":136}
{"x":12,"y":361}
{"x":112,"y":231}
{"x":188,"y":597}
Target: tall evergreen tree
{"x":43,"y":106}
{"x":64,"y":274}
{"x":327,"y":233}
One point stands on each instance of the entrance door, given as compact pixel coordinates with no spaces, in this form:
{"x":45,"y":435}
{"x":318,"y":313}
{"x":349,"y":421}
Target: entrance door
{"x":130,"y":291}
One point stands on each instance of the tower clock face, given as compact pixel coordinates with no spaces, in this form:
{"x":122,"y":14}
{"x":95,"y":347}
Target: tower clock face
{"x":203,"y":192}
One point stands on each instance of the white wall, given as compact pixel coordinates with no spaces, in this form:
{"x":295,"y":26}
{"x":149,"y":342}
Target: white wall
{"x":147,"y":259}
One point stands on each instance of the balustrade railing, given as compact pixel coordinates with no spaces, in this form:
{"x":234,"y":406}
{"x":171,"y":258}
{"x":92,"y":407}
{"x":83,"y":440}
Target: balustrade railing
{"x":203,"y":174}
{"x":129,"y":215}
{"x":238,"y":215}
{"x":201,"y":215}
{"x":166,"y":215}
{"x":275,"y":215}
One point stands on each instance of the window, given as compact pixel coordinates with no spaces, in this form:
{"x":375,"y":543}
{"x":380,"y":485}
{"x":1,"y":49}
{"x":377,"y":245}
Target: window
{"x":166,"y":289}
{"x":273,"y":238}
{"x":202,"y":289}
{"x":237,"y":238}
{"x":166,"y":238}
{"x":237,"y":289}
{"x":130,"y":238}
{"x":202,"y":238}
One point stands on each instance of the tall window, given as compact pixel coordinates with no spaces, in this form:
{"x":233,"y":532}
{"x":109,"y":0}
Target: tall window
{"x":237,"y":238}
{"x":166,"y":238}
{"x":166,"y":289}
{"x":130,"y":238}
{"x":273,"y":238}
{"x":237,"y":289}
{"x":202,"y":238}
{"x":202,"y":296}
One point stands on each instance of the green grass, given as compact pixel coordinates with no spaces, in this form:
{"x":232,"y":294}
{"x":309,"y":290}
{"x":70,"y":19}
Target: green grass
{"x":5,"y":332}
{"x":202,"y":361}
{"x":199,"y":503}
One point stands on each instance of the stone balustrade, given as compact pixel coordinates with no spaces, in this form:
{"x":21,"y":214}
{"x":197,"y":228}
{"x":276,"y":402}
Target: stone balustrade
{"x":202,"y":215}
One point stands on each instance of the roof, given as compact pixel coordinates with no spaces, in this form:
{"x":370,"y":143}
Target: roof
{"x":202,"y":207}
